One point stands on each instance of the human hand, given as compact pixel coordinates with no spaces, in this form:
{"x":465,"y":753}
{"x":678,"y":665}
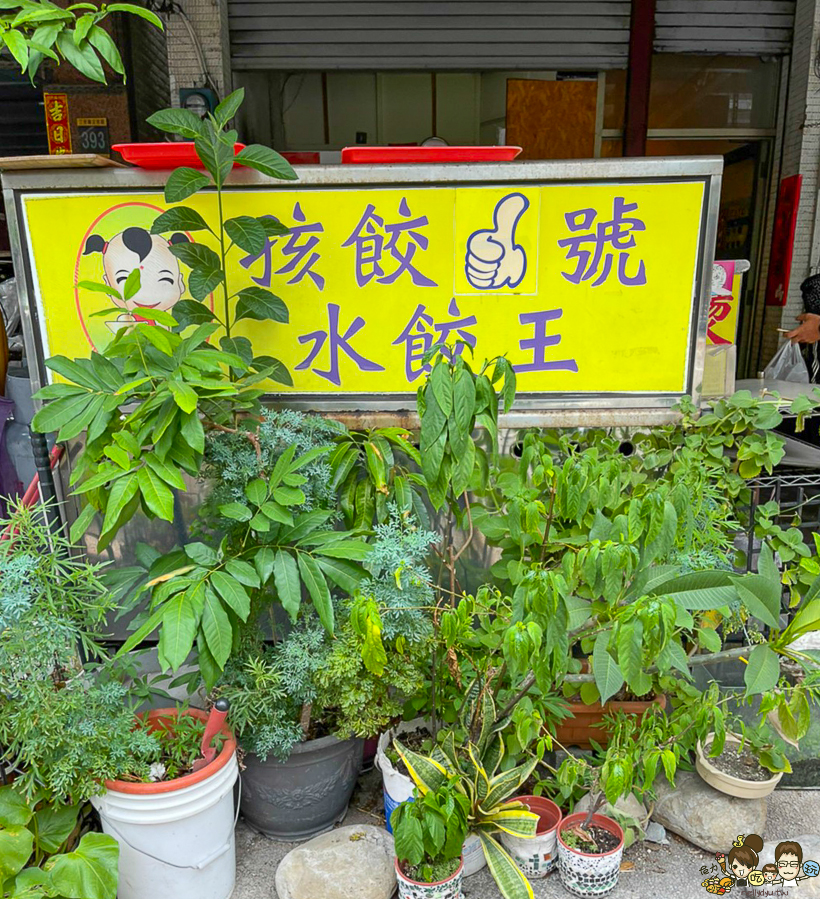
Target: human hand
{"x":808,"y":331}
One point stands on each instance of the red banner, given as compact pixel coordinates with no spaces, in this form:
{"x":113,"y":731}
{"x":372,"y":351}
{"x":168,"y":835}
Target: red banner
{"x":785,"y":221}
{"x":57,"y":123}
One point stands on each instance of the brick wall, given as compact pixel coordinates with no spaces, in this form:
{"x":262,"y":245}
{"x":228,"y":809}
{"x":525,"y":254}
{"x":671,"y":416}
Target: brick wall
{"x":209,"y":21}
{"x":801,"y":154}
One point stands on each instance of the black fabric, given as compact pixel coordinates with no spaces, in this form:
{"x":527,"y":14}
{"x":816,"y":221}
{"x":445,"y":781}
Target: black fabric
{"x":810,"y":289}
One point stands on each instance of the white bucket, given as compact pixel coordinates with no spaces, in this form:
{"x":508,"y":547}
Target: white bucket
{"x":176,"y":843}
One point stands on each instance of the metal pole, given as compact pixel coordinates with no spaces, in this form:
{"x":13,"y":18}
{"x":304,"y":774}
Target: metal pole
{"x":641,"y":36}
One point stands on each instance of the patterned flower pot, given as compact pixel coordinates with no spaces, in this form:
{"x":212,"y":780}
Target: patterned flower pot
{"x":582,"y":873}
{"x":304,"y":796}
{"x":537,"y":856}
{"x":444,"y":889}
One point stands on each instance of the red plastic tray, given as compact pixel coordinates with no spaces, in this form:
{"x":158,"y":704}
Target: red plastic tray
{"x":428,"y":154}
{"x":302,"y":157}
{"x":165,"y":155}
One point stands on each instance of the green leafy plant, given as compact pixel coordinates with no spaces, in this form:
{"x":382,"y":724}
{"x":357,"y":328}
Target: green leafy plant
{"x":429,"y":833}
{"x":353,"y":684}
{"x":474,"y":770}
{"x":146,"y":402}
{"x":211,"y":591}
{"x":33,"y":30}
{"x":65,"y":726}
{"x":179,"y":743}
{"x":44,"y":854}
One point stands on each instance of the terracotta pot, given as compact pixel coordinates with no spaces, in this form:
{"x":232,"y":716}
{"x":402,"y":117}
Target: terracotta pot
{"x":444,"y":889}
{"x":728,"y":783}
{"x":371,"y":745}
{"x":536,"y":856}
{"x":158,"y":717}
{"x":587,"y":721}
{"x":583,"y":873}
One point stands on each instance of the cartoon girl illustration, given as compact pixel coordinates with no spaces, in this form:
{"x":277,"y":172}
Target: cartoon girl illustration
{"x":161,"y":282}
{"x":743,"y":858}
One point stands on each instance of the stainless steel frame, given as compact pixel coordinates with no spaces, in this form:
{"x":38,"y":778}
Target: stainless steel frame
{"x":530,"y":409}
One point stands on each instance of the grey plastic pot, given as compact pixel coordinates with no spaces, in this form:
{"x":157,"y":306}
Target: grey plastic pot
{"x":304,"y":796}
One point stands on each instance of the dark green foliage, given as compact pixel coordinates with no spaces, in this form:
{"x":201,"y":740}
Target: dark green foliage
{"x":146,"y":402}
{"x":232,"y":461}
{"x":429,"y":833}
{"x":66,"y":726}
{"x":33,"y":30}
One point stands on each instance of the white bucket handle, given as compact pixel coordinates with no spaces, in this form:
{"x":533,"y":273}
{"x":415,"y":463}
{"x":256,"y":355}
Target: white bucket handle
{"x":203,"y":862}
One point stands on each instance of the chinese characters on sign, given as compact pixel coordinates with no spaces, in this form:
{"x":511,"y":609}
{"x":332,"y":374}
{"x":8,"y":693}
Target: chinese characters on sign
{"x":614,"y":235}
{"x":58,"y":126}
{"x":493,"y":260}
{"x":563,"y":279}
{"x":723,"y":305}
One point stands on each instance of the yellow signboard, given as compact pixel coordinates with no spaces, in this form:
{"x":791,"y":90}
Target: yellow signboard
{"x":588,"y":288}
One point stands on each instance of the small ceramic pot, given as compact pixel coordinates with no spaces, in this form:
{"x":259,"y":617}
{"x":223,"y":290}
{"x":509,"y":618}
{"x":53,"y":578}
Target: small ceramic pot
{"x":537,"y":856}
{"x":444,"y":889}
{"x":582,"y":873}
{"x":727,"y":783}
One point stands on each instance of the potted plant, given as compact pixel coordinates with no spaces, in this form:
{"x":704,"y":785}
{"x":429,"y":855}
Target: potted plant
{"x":474,"y":767}
{"x":71,"y":734}
{"x":590,"y":848}
{"x":428,"y":835}
{"x":303,"y":701}
{"x":302,"y":704}
{"x":747,"y":766}
{"x":536,"y":856}
{"x":175,"y":828}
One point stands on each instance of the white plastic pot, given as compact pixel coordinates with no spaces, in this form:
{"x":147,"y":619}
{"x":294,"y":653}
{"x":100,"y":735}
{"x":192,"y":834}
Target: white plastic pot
{"x":582,"y":873}
{"x":536,"y":856}
{"x":444,"y":889}
{"x":398,"y":787}
{"x":176,"y":837}
{"x":473,"y":854}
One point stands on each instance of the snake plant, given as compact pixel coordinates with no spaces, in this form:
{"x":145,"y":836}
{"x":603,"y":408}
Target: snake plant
{"x":474,"y":767}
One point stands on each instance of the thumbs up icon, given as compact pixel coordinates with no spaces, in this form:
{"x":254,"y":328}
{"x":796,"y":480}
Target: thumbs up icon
{"x":493,"y":257}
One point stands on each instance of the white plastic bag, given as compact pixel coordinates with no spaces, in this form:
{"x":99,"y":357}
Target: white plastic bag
{"x":787,"y":365}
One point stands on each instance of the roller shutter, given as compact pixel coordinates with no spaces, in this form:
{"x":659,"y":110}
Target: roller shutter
{"x":734,"y":27}
{"x":430,"y":35}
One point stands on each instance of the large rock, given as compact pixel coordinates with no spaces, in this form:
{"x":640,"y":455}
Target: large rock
{"x":810,"y":844}
{"x":705,"y":816}
{"x":353,"y":862}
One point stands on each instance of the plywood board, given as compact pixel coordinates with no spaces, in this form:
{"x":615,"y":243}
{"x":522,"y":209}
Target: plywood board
{"x":552,"y":119}
{"x":58,"y":161}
